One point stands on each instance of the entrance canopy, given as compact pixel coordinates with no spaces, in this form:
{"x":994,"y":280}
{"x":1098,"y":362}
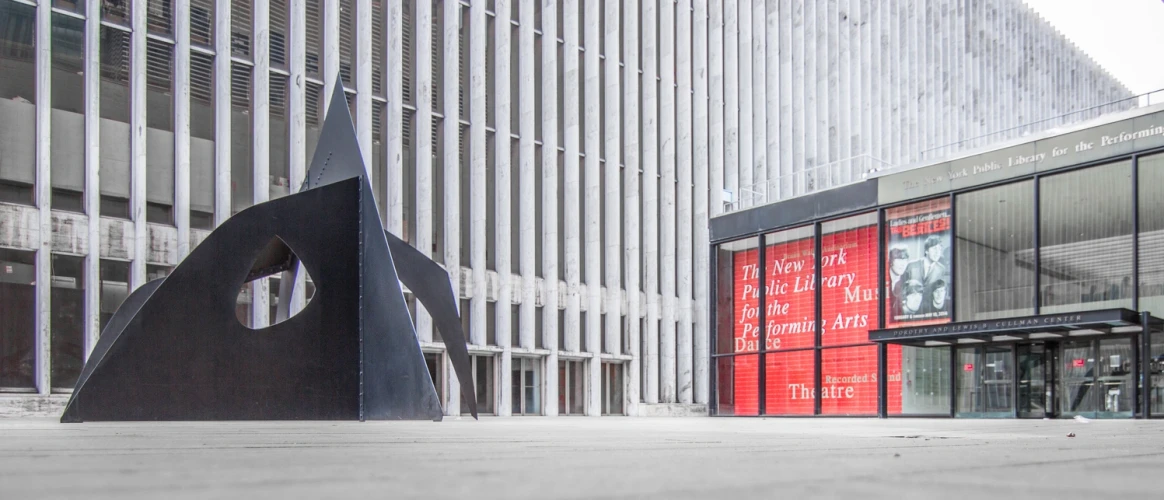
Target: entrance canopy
{"x":1050,"y":326}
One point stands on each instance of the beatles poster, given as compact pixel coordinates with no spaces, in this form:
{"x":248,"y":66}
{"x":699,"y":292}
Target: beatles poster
{"x":919,"y":288}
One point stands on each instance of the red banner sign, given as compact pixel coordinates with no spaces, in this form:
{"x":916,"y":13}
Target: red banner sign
{"x":848,"y":282}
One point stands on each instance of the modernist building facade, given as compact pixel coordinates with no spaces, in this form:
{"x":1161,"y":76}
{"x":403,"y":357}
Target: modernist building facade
{"x":1023,"y":281}
{"x":561,"y":158}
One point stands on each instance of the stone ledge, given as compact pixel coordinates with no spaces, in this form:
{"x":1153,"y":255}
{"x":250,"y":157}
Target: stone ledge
{"x":32,"y":405}
{"x":671,"y":410}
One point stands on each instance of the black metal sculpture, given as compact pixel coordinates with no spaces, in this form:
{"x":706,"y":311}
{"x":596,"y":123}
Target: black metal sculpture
{"x":175,"y":350}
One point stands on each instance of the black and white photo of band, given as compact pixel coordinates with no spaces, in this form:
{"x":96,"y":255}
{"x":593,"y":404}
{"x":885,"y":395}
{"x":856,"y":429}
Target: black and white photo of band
{"x":918,"y":254}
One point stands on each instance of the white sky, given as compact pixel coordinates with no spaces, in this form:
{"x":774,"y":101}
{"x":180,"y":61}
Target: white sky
{"x":1124,"y":36}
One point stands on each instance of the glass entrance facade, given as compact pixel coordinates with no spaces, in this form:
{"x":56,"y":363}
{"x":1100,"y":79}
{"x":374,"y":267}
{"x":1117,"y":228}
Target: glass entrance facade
{"x":1016,"y":233}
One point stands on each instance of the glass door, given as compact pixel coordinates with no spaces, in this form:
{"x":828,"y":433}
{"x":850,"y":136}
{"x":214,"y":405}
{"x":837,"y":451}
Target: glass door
{"x":1034,"y":393}
{"x":985,"y":382}
{"x":1098,"y":378}
{"x":1116,"y":378}
{"x":1078,"y":379}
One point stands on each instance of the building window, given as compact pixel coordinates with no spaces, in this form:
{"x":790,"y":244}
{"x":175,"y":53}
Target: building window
{"x":436,"y":371}
{"x":241,"y":132}
{"x":18,"y":101}
{"x":484,"y":375}
{"x":202,"y":147}
{"x":114,"y":275}
{"x":571,"y":387}
{"x":737,"y":385}
{"x":115,"y":131}
{"x":280,"y":147}
{"x":17,"y":320}
{"x":848,"y":292}
{"x":918,"y":380}
{"x":917,"y":243}
{"x":160,"y":130}
{"x":68,"y":320}
{"x":737,"y":323}
{"x":1085,"y":239}
{"x":1151,"y":234}
{"x":612,"y":389}
{"x":527,"y":386}
{"x":790,"y":383}
{"x":68,"y":115}
{"x":995,"y":264}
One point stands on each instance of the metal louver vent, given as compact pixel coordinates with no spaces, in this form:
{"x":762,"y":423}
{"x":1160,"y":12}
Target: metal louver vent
{"x":160,"y":16}
{"x":347,"y":40}
{"x":379,"y":43}
{"x":436,"y":57}
{"x":377,"y":123}
{"x":406,"y":56}
{"x":240,"y":86}
{"x":159,"y":65}
{"x":240,"y":28}
{"x":278,"y":95}
{"x":201,"y":22}
{"x":115,"y":12}
{"x":115,"y":55}
{"x":314,"y":38}
{"x":312,"y":107}
{"x":278,"y":38}
{"x":201,"y":77}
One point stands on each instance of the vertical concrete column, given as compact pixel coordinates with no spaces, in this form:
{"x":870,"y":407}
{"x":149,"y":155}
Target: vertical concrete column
{"x":631,"y":166}
{"x":747,"y":85}
{"x":502,"y":198}
{"x":683,"y":209}
{"x":222,"y":132}
{"x":422,"y":137}
{"x":875,"y":101}
{"x":478,"y":181}
{"x":650,"y":181}
{"x":731,"y":93}
{"x":297,"y":139}
{"x":43,"y":286}
{"x":865,"y":76}
{"x":331,"y":50}
{"x":701,"y":187}
{"x":822,"y":60}
{"x":549,"y":173}
{"x":92,"y":326}
{"x":451,"y":165}
{"x":182,"y":125}
{"x":715,"y":137}
{"x":613,"y":174}
{"x":137,"y":145}
{"x":812,"y":155}
{"x":667,"y":167}
{"x":799,"y":91}
{"x":593,"y":209}
{"x":261,"y":137}
{"x":842,"y":84}
{"x":572,"y":206}
{"x":394,"y":120}
{"x":363,"y":81}
{"x":527,"y":182}
{"x":759,"y":54}
{"x":773,"y":53}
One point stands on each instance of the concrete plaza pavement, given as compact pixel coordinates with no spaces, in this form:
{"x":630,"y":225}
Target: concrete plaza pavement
{"x":575,"y":457}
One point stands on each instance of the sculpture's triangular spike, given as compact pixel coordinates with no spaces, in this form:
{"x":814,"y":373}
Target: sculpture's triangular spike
{"x":337,"y":154}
